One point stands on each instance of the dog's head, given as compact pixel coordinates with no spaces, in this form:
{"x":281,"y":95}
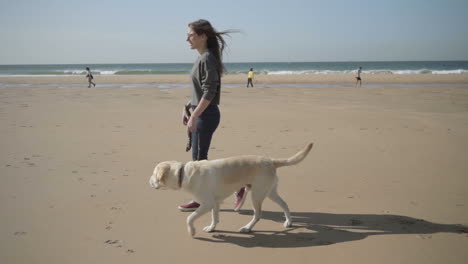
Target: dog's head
{"x":165,"y":175}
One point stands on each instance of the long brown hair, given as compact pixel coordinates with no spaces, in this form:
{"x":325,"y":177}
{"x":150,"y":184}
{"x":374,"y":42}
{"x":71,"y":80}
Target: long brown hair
{"x":215,"y":41}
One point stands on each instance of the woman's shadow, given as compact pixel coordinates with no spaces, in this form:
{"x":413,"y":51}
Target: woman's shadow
{"x":319,"y":229}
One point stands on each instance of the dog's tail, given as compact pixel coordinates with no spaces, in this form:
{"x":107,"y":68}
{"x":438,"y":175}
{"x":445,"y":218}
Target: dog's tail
{"x":294,"y":159}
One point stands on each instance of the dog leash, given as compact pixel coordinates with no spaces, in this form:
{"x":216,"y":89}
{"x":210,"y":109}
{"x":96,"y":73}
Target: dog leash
{"x":189,"y":134}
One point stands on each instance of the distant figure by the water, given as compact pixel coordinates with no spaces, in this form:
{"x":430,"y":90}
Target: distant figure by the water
{"x":90,"y":77}
{"x":358,"y":77}
{"x":250,"y":76}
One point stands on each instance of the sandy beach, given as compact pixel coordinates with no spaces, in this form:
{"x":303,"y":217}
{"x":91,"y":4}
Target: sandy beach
{"x":385,"y":182}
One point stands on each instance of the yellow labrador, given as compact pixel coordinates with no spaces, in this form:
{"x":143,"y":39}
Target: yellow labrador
{"x":212,"y":181}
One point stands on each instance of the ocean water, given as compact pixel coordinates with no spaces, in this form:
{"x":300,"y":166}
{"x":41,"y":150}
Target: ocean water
{"x":267,"y":68}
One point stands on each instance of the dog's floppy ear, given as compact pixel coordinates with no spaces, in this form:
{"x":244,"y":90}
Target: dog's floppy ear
{"x":162,"y":173}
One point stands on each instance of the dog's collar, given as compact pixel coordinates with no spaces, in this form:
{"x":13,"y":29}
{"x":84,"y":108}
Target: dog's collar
{"x":181,"y":175}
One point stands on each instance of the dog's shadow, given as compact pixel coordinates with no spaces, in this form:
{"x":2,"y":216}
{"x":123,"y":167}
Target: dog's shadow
{"x":320,"y":229}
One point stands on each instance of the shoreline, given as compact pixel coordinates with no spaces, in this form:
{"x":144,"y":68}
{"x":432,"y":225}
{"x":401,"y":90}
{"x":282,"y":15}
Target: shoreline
{"x":241,"y":79}
{"x":170,"y":86}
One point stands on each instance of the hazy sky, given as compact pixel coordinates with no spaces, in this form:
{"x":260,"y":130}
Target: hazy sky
{"x":138,"y":31}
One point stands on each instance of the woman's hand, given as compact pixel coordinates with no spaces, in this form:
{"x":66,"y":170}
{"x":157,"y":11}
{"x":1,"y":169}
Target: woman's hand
{"x":192,"y":123}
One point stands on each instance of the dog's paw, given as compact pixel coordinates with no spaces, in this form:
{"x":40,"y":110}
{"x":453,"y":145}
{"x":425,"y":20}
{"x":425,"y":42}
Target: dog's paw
{"x":244,"y":230}
{"x":209,"y":229}
{"x":152,"y":182}
{"x":287,"y":223}
{"x":191,"y":231}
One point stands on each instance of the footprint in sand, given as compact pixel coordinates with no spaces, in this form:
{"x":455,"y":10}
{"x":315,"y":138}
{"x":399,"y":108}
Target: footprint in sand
{"x":109,"y":226}
{"x":116,"y":243}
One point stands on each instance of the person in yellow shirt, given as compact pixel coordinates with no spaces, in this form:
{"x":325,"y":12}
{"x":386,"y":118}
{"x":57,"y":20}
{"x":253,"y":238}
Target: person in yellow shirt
{"x":250,"y":76}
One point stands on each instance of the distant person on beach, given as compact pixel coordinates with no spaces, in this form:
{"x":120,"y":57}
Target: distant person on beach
{"x":250,"y":76}
{"x":358,"y":77}
{"x":206,"y":92}
{"x":90,"y":77}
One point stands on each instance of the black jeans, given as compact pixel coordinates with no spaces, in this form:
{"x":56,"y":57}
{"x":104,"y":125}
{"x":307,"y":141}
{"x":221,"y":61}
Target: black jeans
{"x":207,"y":123}
{"x":249,"y":81}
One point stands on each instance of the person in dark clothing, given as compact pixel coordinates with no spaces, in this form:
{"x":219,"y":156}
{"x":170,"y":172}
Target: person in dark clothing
{"x":90,"y":77}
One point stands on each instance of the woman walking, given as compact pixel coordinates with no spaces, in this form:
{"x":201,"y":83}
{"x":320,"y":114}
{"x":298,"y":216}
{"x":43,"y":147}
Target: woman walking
{"x":206,"y":79}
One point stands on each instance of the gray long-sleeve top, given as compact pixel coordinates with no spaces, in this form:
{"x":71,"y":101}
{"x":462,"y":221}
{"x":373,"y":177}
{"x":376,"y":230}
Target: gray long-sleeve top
{"x":205,"y":78}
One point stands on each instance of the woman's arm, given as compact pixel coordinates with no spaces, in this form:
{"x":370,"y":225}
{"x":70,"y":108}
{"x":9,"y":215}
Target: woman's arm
{"x":210,"y":83}
{"x":192,"y":122}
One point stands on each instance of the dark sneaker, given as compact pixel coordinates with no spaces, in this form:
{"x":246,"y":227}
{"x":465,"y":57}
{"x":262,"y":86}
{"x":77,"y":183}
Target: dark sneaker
{"x":240,"y":198}
{"x":189,"y":207}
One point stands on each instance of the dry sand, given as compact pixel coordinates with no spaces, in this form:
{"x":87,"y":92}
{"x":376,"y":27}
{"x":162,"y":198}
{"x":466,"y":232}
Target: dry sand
{"x":385,"y":183}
